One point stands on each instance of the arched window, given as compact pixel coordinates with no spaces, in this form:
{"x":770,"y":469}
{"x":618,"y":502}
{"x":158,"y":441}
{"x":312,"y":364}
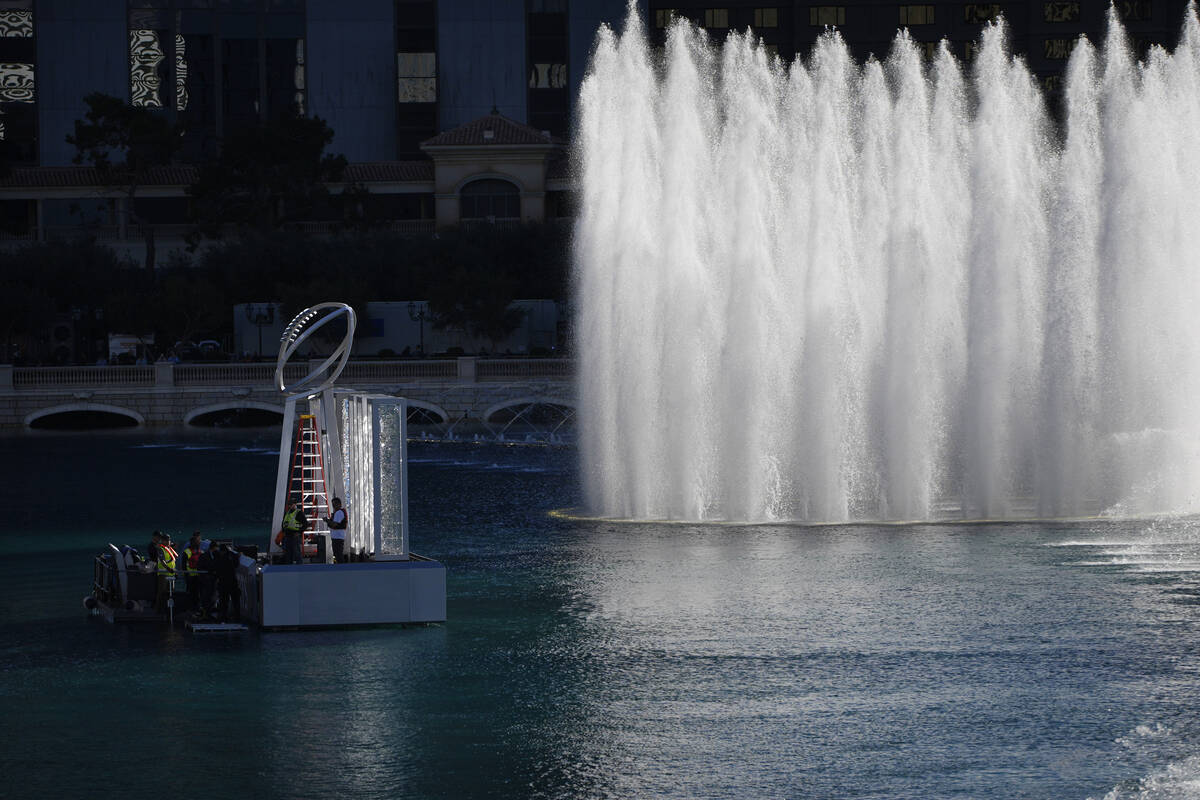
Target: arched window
{"x":490,"y":199}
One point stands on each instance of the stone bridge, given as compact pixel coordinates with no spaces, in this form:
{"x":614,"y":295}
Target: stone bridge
{"x":446,"y":392}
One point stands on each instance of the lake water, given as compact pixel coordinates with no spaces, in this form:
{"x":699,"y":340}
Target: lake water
{"x":585,"y":659}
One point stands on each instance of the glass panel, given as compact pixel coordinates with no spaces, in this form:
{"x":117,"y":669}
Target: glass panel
{"x":16,"y":24}
{"x":390,"y":501}
{"x":417,"y":77}
{"x":145,"y":54}
{"x":16,"y":83}
{"x":716,"y":18}
{"x":181,"y":73}
{"x":1061,"y":12}
{"x":981,"y":12}
{"x":416,"y":65}
{"x":1135,"y":10}
{"x":827,"y":15}
{"x":548,"y":76}
{"x":916,"y":15}
{"x":766,"y":18}
{"x":1058,"y":49}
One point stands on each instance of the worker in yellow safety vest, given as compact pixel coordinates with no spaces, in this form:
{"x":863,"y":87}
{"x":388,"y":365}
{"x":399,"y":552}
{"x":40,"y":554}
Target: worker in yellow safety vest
{"x":294,"y":525}
{"x":165,"y":559}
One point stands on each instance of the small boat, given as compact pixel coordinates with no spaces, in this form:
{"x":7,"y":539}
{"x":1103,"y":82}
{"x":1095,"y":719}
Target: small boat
{"x":125,"y":587}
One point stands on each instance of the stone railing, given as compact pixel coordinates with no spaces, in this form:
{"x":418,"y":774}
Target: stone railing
{"x":377,"y":372}
{"x":233,"y":374}
{"x":505,"y":368}
{"x":466,"y":369}
{"x":54,"y":377}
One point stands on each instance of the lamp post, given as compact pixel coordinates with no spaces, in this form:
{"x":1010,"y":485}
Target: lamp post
{"x":262,"y":315}
{"x":417,"y":313}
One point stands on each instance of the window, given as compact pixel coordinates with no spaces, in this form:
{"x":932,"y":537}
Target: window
{"x":970,"y":50}
{"x":1135,"y":10}
{"x":489,"y":199}
{"x":1061,"y":12}
{"x":716,"y":17}
{"x":916,"y":15}
{"x":977,"y":13}
{"x":416,"y":80}
{"x":546,"y":59}
{"x":1051,"y":83}
{"x":416,"y":75}
{"x":213,"y":67}
{"x":548,"y":76}
{"x":766,"y":17}
{"x":18,"y":97}
{"x":928,"y":50}
{"x":827,"y":15}
{"x":145,"y":58}
{"x":663,"y":17}
{"x":1058,"y":49}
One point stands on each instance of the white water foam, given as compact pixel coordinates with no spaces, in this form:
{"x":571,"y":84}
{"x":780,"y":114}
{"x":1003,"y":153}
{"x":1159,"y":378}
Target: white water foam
{"x":1179,"y":780}
{"x":832,"y":291}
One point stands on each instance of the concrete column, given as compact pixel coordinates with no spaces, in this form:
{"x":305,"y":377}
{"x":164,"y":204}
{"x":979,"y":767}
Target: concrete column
{"x":466,"y":369}
{"x":164,"y":373}
{"x":6,"y":377}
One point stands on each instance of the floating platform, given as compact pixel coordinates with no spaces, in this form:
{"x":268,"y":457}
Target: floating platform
{"x":362,"y":593}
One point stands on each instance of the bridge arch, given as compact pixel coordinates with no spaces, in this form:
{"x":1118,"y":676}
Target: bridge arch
{"x":533,"y":413}
{"x":192,"y":416}
{"x":426,"y":413}
{"x":44,"y":414}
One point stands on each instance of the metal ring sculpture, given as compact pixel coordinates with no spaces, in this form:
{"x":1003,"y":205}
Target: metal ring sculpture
{"x":298,"y":330}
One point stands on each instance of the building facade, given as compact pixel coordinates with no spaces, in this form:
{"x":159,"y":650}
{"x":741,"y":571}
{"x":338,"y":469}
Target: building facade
{"x":447,"y":110}
{"x":1043,"y":31}
{"x":386,"y":75}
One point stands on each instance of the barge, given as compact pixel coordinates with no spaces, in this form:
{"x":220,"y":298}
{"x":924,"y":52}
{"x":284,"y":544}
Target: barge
{"x":334,"y":442}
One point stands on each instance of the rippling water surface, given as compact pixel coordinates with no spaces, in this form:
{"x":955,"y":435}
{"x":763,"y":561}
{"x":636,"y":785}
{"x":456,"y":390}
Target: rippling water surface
{"x":586,"y":659}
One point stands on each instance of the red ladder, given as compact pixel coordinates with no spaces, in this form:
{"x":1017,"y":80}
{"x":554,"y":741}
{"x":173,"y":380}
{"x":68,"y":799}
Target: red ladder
{"x":306,"y":482}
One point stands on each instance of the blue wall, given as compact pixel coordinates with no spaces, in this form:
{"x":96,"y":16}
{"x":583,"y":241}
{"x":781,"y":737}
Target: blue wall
{"x":352,"y":75}
{"x":481,"y":60}
{"x":81,"y":48}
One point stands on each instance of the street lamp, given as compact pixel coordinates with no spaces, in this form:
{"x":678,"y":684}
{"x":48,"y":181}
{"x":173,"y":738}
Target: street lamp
{"x":262,"y":315}
{"x":417,"y":313}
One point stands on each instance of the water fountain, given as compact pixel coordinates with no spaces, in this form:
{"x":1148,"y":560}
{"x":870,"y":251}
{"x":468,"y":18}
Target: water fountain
{"x":830,"y":291}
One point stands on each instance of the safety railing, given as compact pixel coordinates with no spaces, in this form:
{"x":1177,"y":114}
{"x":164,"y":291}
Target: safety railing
{"x":262,"y":375}
{"x":509,"y":368}
{"x":383,"y":372}
{"x":57,"y":377}
{"x":234,"y":374}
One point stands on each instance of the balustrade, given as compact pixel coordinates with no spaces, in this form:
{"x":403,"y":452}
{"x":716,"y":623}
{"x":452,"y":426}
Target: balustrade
{"x":357,"y":373}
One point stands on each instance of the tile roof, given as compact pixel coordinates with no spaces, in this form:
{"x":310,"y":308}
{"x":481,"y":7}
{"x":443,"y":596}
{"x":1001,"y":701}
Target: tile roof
{"x":503,"y":131}
{"x":172,"y":175}
{"x":389,"y":171}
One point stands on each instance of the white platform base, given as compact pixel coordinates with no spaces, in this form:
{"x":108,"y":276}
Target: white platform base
{"x":367,"y":593}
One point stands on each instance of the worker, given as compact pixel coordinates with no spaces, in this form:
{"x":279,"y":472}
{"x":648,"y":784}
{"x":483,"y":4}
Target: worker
{"x":152,"y":549}
{"x":337,"y":529}
{"x":208,"y":577}
{"x":225,"y":561}
{"x":191,"y":567}
{"x":294,"y":526}
{"x":165,"y":561}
